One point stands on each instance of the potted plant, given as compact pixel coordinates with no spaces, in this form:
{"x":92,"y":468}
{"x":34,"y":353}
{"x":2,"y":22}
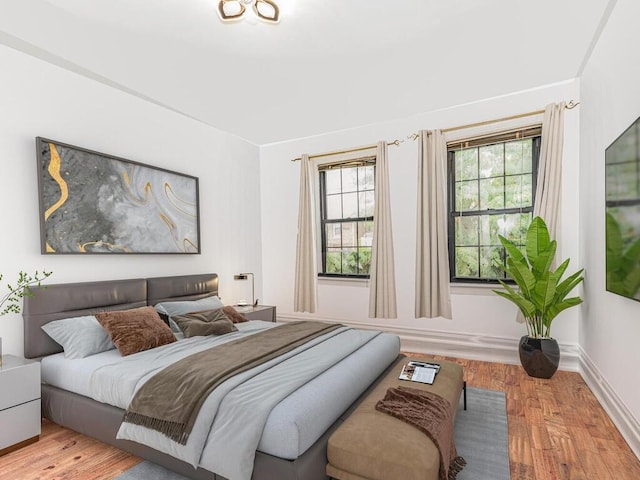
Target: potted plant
{"x":17,"y":292}
{"x":541,"y":296}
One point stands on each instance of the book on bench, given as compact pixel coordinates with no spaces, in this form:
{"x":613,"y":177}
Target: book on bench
{"x":422,"y":372}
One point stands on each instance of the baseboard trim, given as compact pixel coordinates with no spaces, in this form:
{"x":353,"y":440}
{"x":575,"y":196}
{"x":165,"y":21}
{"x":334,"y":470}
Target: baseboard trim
{"x":628,"y":426}
{"x":472,"y":346}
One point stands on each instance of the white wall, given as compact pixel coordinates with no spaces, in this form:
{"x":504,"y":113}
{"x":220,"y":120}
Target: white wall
{"x":611,"y":324}
{"x":480,"y":318}
{"x":39,"y":99}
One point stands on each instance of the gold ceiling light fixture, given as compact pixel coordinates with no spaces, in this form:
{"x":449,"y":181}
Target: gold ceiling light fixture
{"x":232,"y":10}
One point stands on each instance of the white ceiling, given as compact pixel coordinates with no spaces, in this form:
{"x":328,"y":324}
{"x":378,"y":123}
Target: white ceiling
{"x":328,"y":65}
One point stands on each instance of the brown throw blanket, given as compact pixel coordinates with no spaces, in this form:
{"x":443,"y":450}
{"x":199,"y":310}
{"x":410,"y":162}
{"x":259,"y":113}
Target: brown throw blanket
{"x":431,"y":414}
{"x":169,"y":401}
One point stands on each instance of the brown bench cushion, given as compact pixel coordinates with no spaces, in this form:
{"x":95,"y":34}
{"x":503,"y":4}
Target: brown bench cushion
{"x":371,"y":445}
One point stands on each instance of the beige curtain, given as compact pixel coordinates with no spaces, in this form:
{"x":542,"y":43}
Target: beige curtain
{"x":547,"y":201}
{"x":432,"y":252}
{"x":382,"y":277}
{"x":306,"y":280}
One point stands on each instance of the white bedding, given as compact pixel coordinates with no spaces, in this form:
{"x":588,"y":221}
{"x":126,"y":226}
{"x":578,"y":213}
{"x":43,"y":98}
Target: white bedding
{"x":290,"y":429}
{"x":74,"y":374}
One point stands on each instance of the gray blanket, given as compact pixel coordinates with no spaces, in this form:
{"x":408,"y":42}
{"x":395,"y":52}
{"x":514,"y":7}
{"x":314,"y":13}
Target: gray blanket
{"x":169,"y":402}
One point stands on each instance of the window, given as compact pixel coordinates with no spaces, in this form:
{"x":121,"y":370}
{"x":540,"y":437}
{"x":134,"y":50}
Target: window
{"x":492,"y":184}
{"x":346,"y":217}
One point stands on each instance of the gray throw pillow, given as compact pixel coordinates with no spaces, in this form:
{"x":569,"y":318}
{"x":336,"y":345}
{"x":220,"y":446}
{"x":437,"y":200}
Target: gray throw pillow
{"x":170,"y":309}
{"x":209,"y":322}
{"x":79,"y":336}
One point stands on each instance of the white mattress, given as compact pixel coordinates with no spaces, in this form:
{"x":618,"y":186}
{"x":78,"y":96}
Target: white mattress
{"x":296,"y":422}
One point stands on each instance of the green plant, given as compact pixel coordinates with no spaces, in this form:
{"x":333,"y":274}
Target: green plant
{"x":623,"y":261}
{"x":21,"y":289}
{"x":541,"y":293}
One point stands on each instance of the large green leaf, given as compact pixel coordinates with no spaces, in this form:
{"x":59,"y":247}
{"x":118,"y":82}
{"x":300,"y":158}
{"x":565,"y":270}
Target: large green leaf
{"x":633,"y":252}
{"x":623,"y":267}
{"x":512,"y":250}
{"x":555,"y":309}
{"x":568,"y":284}
{"x":544,"y":260}
{"x":631,"y":282}
{"x":615,"y":245}
{"x":537,"y":239}
{"x":544,"y":292}
{"x":526,"y":307}
{"x":521,"y":274}
{"x":562,"y":268}
{"x":630,"y":259}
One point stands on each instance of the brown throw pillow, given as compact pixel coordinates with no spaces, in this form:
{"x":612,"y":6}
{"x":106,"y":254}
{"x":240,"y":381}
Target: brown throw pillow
{"x":135,"y":330}
{"x":208,"y":322}
{"x":234,"y":315}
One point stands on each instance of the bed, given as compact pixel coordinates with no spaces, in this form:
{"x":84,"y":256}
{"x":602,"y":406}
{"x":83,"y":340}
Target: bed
{"x":67,"y":404}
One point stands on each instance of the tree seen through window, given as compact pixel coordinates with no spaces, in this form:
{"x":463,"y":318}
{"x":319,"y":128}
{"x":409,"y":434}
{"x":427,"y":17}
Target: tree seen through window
{"x":347,"y":206}
{"x":491,"y":193}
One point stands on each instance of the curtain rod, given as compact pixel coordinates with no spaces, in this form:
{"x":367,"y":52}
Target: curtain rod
{"x":395,"y":142}
{"x":503,"y":135}
{"x":568,"y":106}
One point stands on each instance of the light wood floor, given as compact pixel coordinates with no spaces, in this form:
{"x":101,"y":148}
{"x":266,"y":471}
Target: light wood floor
{"x":557,"y":430}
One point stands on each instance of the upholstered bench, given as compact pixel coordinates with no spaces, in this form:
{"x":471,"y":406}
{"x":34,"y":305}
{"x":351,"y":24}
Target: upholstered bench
{"x":371,"y":445}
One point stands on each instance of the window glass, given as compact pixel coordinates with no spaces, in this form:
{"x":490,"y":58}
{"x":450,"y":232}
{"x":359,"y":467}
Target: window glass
{"x":333,"y":182}
{"x":334,"y":206}
{"x":492,"y":188}
{"x":347,"y":200}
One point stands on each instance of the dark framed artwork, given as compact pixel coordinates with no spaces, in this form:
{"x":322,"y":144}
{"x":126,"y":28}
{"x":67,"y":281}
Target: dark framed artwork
{"x":622,"y":173}
{"x":94,"y":203}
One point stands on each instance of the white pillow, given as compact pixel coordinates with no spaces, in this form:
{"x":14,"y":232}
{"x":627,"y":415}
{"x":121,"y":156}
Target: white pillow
{"x":187,"y":306}
{"x":79,"y":336}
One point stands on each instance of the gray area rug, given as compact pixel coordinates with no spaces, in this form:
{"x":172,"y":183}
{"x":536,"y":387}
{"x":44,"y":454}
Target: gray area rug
{"x":149,"y":471}
{"x":480,"y":433}
{"x":482,"y":437}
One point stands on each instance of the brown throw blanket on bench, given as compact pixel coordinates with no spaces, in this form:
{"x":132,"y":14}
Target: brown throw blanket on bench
{"x":169,"y":401}
{"x":431,"y":414}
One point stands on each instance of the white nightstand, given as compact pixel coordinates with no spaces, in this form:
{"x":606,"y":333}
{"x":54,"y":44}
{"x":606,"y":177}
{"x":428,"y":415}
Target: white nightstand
{"x":19,"y":403}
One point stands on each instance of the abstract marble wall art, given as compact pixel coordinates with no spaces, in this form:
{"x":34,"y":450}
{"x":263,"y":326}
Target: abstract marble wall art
{"x":94,"y":203}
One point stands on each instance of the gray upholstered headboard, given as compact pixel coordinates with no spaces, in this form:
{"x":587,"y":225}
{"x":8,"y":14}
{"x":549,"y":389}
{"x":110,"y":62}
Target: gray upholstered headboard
{"x":65,"y":300}
{"x":186,"y":287}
